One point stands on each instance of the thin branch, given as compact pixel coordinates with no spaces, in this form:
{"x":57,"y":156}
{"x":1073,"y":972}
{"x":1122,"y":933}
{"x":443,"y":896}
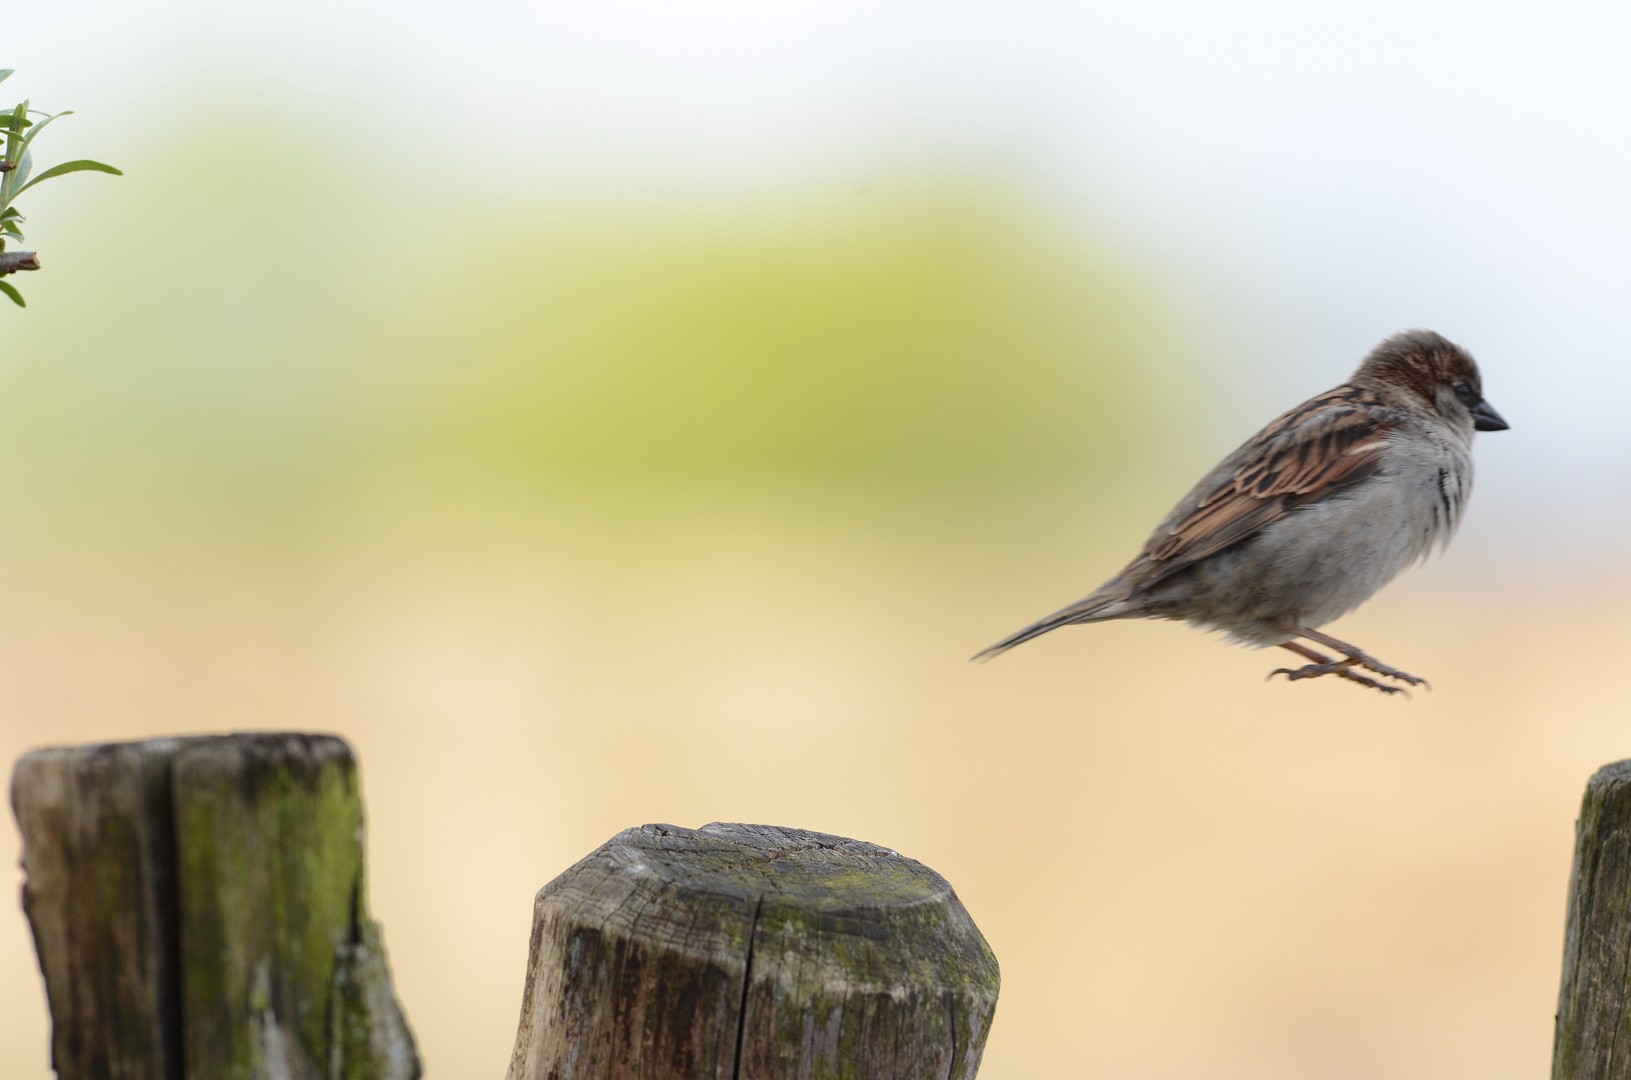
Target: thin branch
{"x":13,"y":261}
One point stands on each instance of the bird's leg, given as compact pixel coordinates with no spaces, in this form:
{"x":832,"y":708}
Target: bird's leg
{"x":1324,"y":665}
{"x":1358,"y":656}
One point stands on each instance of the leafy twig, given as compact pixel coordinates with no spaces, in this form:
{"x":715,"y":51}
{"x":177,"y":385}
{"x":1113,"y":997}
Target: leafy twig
{"x":15,"y":166}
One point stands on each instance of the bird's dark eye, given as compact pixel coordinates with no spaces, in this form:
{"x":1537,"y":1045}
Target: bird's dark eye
{"x":1467,"y":395}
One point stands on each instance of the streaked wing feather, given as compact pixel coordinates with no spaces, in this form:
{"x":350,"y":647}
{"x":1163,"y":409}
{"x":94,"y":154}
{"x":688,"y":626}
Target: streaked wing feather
{"x":1324,"y":445}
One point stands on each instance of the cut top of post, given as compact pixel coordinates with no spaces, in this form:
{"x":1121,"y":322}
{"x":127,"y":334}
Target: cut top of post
{"x":750,"y":952}
{"x":728,"y":877}
{"x":745,"y":861}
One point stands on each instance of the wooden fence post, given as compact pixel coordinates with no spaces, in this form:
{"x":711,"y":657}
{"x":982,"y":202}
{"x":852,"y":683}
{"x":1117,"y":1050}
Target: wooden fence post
{"x":1593,"y":1037}
{"x":747,"y":952}
{"x":199,"y":912}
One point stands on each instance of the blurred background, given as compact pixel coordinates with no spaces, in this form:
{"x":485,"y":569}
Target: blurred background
{"x":621,"y":412}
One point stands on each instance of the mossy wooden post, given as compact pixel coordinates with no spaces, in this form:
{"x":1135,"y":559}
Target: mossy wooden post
{"x":99,"y":853}
{"x":199,"y":912}
{"x":1593,"y":1039}
{"x":747,"y":952}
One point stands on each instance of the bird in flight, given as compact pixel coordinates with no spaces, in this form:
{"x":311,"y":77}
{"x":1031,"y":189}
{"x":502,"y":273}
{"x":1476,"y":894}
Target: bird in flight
{"x":1313,"y":514}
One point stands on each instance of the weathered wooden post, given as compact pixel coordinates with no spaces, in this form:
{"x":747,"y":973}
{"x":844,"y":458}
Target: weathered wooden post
{"x":199,"y":912}
{"x":1593,"y":1037}
{"x":747,"y":952}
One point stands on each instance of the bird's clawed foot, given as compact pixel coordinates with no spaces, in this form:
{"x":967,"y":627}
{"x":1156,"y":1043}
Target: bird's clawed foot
{"x":1363,"y":659}
{"x":1343,"y":668}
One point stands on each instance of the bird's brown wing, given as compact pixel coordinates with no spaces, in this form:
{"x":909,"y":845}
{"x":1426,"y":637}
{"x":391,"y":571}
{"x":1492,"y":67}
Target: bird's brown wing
{"x":1326,"y":444}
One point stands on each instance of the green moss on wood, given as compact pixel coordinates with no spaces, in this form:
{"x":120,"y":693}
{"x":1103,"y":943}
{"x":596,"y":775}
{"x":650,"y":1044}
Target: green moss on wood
{"x":266,"y":964}
{"x":752,"y":952}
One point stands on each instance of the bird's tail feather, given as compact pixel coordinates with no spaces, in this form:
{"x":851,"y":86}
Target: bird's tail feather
{"x":1099,"y":607}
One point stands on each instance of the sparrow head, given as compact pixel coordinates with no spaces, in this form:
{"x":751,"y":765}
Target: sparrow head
{"x":1427,"y":373}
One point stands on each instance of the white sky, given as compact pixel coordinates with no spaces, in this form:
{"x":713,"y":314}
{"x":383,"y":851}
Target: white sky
{"x":1327,"y":173}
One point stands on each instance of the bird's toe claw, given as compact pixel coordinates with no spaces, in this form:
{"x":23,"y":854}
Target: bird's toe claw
{"x":1365,"y":680}
{"x":1370,"y":663}
{"x":1311,"y":671}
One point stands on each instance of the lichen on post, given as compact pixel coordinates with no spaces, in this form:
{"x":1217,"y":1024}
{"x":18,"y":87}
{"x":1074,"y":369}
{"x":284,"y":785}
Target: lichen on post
{"x":199,"y":911}
{"x":749,"y":952}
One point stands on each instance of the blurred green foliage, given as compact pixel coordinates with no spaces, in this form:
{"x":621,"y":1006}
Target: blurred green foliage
{"x":929,"y":339}
{"x":290,"y":346}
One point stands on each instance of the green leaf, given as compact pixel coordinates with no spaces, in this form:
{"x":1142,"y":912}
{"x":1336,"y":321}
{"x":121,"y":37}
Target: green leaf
{"x":82,"y":165}
{"x":12,"y":212}
{"x":5,"y":73}
{"x":5,"y":118}
{"x":41,"y":126}
{"x":14,"y":133}
{"x":16,"y":297}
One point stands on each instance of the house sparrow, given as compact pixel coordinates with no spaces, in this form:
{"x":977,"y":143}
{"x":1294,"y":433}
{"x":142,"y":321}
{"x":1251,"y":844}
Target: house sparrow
{"x":1314,"y":514}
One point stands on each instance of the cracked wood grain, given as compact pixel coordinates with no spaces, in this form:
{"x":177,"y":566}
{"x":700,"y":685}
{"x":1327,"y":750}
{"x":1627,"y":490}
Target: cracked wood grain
{"x":1593,"y":1034}
{"x":199,"y":912}
{"x":749,"y":952}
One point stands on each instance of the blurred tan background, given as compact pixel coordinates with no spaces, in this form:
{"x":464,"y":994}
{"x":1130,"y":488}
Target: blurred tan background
{"x":578,"y":500}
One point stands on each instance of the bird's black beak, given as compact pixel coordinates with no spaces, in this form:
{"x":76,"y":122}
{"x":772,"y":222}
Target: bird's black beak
{"x":1485,"y":418}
